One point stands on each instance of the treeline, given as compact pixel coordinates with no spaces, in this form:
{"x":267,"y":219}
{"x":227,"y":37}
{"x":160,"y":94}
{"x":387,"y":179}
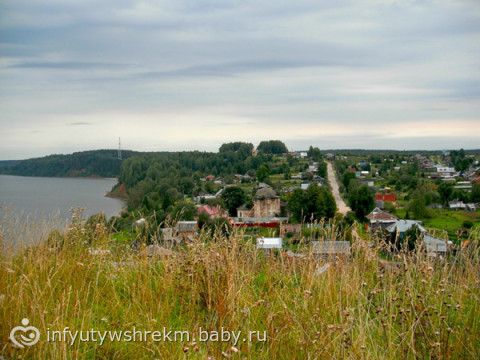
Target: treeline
{"x":102,"y":163}
{"x":367,"y":152}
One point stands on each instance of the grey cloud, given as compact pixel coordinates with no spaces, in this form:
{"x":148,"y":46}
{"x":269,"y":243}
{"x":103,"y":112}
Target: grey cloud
{"x":68,"y":65}
{"x":268,"y":63}
{"x":80,"y":123}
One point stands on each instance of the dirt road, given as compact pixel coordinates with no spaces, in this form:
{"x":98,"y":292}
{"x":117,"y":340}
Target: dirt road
{"x":332,"y":179}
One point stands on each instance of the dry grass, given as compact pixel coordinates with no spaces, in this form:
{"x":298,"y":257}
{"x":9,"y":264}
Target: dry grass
{"x":358,"y":309}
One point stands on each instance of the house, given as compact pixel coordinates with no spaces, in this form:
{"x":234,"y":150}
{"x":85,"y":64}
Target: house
{"x":329,"y":248}
{"x":266,"y":204}
{"x":456,"y":205}
{"x":186,"y":230}
{"x":269,"y":243}
{"x":381,"y":198}
{"x":244,"y":212}
{"x":204,"y":197}
{"x":212,"y":211}
{"x":460,"y":205}
{"x":445,"y":171}
{"x":433,"y":246}
{"x":386,"y":197}
{"x":401,"y":226}
{"x":380,"y":219}
{"x":210,"y":178}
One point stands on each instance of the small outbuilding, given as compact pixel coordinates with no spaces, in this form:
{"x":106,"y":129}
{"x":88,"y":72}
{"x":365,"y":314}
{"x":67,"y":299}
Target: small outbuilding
{"x":269,"y":243}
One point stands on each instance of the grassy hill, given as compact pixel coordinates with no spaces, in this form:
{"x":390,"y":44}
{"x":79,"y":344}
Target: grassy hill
{"x":358,"y":308}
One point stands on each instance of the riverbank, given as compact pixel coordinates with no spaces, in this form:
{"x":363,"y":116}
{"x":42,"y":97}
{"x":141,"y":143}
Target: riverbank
{"x":119,"y":191}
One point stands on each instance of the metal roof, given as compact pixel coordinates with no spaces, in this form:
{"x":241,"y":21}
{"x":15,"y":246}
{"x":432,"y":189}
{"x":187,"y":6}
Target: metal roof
{"x":404,"y":225}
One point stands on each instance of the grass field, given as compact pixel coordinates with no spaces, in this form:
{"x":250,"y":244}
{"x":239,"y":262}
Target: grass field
{"x":358,"y":308}
{"x":451,"y":220}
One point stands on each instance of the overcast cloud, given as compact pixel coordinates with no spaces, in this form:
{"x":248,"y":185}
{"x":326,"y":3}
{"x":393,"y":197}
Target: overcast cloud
{"x":181,"y":75}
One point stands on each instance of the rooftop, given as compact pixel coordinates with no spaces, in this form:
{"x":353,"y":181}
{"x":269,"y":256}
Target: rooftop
{"x":265,"y":192}
{"x":378,"y":215}
{"x":404,"y":225}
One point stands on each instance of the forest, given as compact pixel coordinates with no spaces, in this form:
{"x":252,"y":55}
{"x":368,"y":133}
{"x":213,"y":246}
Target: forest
{"x":95,"y":163}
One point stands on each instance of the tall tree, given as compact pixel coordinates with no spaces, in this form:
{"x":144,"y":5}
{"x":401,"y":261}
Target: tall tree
{"x":314,"y":203}
{"x":272,"y":147}
{"x":263,"y":173}
{"x":361,"y":201}
{"x":445,"y":190}
{"x":233,"y":197}
{"x":314,"y":153}
{"x":417,"y":206}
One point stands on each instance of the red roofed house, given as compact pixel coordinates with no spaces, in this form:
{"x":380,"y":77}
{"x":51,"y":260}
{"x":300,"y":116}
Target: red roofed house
{"x":380,"y":219}
{"x":386,"y":197}
{"x":381,"y":198}
{"x":212,"y":211}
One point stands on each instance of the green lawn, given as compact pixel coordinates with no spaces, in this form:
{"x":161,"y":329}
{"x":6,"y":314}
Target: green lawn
{"x":451,"y":220}
{"x":444,"y":219}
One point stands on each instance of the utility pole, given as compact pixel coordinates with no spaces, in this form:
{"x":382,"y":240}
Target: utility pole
{"x":119,"y":149}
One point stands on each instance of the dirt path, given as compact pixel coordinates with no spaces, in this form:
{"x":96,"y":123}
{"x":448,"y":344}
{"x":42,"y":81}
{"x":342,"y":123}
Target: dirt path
{"x":332,"y":179}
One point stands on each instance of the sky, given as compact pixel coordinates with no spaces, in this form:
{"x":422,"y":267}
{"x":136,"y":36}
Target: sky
{"x":183,"y":75}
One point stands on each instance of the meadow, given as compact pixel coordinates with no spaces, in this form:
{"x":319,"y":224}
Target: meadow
{"x":355,"y":308}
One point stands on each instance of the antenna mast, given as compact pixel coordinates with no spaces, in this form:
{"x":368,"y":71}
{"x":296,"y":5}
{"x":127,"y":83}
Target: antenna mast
{"x":119,"y":149}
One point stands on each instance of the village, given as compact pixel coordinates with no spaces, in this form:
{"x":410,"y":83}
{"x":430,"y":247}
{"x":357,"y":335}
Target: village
{"x":389,"y":211}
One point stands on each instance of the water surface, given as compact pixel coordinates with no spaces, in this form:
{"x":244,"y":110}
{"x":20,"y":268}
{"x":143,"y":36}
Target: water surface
{"x":43,"y":203}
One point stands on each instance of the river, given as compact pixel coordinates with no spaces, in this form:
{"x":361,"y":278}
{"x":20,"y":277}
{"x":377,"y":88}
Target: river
{"x":43,"y":203}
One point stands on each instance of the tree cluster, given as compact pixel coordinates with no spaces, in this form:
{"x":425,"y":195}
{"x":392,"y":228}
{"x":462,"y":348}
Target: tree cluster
{"x":312,"y":204}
